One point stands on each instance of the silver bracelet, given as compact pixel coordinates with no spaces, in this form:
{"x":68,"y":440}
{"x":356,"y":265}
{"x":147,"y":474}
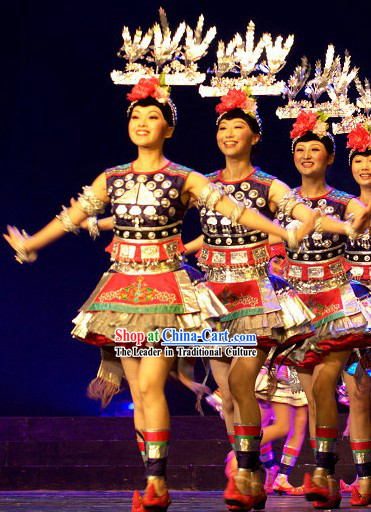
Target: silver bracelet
{"x":21,"y":254}
{"x":292,"y":239}
{"x":89,"y":203}
{"x":67,"y":223}
{"x":93,"y":227}
{"x":236,"y":213}
{"x":288,"y":202}
{"x":349,"y":230}
{"x":210,"y":195}
{"x":318,"y":228}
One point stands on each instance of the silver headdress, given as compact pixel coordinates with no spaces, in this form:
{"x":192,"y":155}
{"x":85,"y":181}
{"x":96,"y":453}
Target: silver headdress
{"x":334,"y":79}
{"x":364,"y":91}
{"x":362,"y":112}
{"x":243,"y":58}
{"x":165,"y":54}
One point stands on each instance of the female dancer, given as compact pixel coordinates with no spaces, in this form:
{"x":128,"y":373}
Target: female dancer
{"x":358,"y":255}
{"x":319,"y":276}
{"x":235,"y":261}
{"x":147,"y":288}
{"x":283,"y":413}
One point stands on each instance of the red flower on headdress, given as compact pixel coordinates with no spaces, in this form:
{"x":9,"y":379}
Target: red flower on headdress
{"x":359,"y":139}
{"x":236,"y":99}
{"x":305,"y":122}
{"x":144,"y":88}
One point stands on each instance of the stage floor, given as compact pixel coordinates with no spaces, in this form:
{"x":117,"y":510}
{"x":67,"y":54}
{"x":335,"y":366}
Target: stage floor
{"x":183,"y":501}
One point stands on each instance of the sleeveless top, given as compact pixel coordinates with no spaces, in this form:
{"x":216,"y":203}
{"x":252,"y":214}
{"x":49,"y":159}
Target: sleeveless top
{"x":323,"y":256}
{"x":148,"y":212}
{"x":230,"y":247}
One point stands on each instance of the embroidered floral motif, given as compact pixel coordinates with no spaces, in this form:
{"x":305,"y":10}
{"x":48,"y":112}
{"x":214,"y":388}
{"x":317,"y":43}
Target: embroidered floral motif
{"x":231,"y":300}
{"x":138,"y":291}
{"x":248,"y":300}
{"x":227,"y":297}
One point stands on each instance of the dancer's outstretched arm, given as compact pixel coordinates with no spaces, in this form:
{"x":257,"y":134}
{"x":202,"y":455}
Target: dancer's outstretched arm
{"x":56,"y":229}
{"x":195,"y":187}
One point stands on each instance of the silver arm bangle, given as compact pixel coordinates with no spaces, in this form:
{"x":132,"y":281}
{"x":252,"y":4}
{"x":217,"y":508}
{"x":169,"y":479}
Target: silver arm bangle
{"x":67,"y":223}
{"x":236,"y":213}
{"x":292,"y":240}
{"x":288,"y":202}
{"x":21,"y":254}
{"x":350,"y":231}
{"x":210,"y":195}
{"x":318,"y":228}
{"x":93,"y":227}
{"x":89,"y":203}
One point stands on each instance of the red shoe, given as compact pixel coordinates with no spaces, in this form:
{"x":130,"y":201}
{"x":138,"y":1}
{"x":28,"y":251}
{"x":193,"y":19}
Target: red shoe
{"x":233,"y":498}
{"x":288,"y":491}
{"x":358,"y":499}
{"x":230,"y":471}
{"x":243,"y":502}
{"x":155,"y":503}
{"x":344,"y":487}
{"x":268,"y":489}
{"x":137,"y":502}
{"x":270,"y":477}
{"x":313,"y":492}
{"x":258,"y":501}
{"x":330,"y":503}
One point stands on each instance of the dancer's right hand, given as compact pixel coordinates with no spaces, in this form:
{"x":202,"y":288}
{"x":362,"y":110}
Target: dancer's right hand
{"x":18,"y":241}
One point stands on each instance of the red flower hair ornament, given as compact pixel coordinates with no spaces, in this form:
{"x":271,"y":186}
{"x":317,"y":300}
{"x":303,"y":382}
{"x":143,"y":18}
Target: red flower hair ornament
{"x":243,"y":100}
{"x":236,"y":98}
{"x":314,"y":122}
{"x":359,"y":139}
{"x":149,"y":87}
{"x":155,"y":88}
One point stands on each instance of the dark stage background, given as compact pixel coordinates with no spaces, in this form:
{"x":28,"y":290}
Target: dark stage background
{"x":63,"y":122}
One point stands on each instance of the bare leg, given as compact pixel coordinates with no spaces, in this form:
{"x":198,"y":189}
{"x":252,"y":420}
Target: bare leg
{"x":242,"y":385}
{"x":293,"y":444}
{"x":359,"y":420}
{"x":266,"y":414}
{"x":299,"y":423}
{"x":153,"y":374}
{"x":281,"y":425}
{"x":131,"y":367}
{"x":359,"y":408}
{"x":325,"y":377}
{"x":221,"y":369}
{"x":305,"y":377}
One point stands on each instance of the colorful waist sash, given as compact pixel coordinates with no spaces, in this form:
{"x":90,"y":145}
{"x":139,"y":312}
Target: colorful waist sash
{"x":145,"y":251}
{"x":256,"y":254}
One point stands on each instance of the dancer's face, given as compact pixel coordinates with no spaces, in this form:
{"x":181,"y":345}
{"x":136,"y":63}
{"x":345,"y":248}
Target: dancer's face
{"x":235,"y":137}
{"x":361,"y":169}
{"x":148,"y":128}
{"x":311,"y":158}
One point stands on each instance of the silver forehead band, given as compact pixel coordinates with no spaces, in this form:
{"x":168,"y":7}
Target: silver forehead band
{"x":352,"y":153}
{"x":174,"y":112}
{"x":350,"y":156}
{"x":252,"y":114}
{"x":329,"y":135}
